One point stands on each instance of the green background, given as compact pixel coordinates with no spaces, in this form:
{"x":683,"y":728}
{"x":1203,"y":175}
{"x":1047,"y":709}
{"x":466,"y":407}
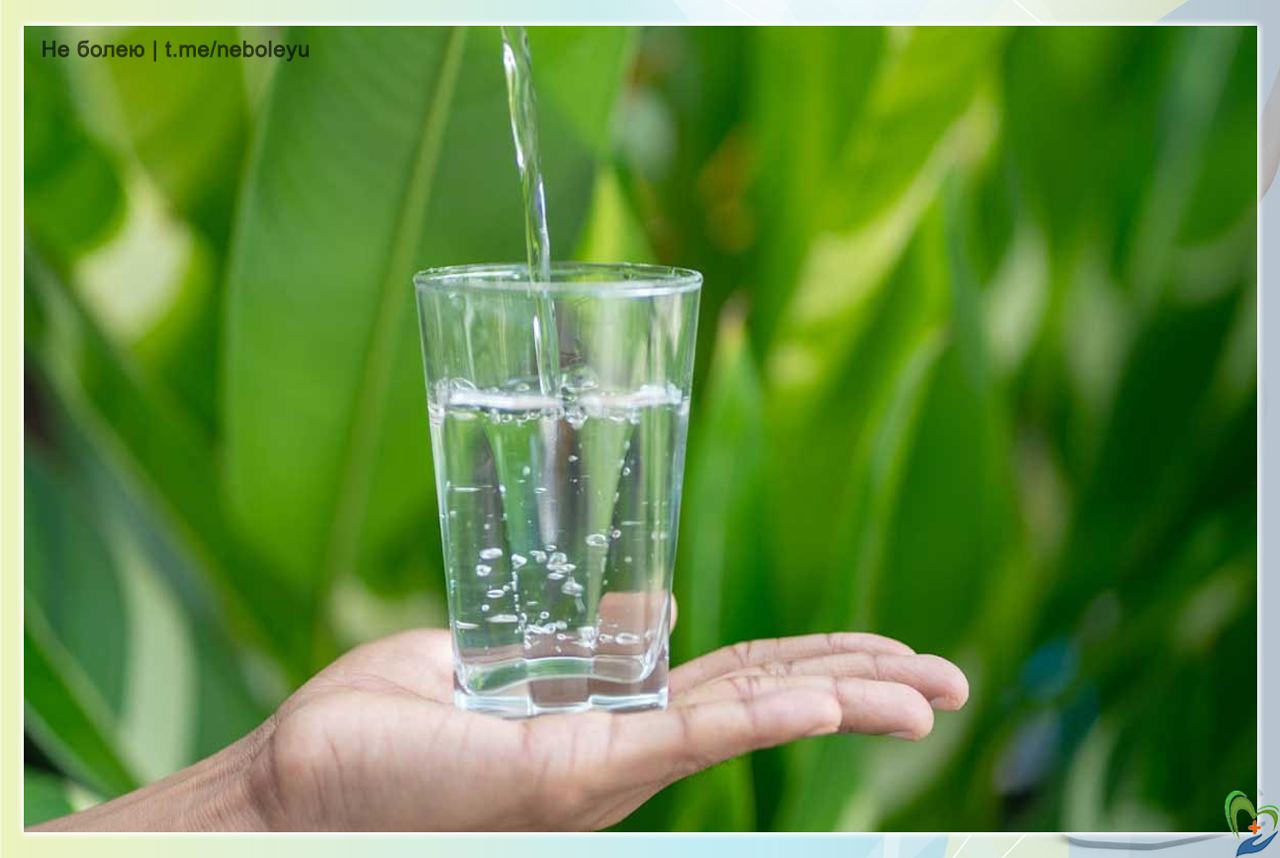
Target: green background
{"x":976,"y":369}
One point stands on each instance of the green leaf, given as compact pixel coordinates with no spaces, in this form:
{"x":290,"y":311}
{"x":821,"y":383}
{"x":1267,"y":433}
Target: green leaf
{"x":386,"y":152}
{"x":957,"y":481}
{"x":802,"y":114}
{"x":70,"y":573}
{"x":718,"y":799}
{"x":65,"y":713}
{"x":184,"y":655}
{"x":722,"y":578}
{"x":186,"y":120}
{"x":140,"y":427}
{"x":913,"y":134}
{"x":128,"y":607}
{"x":612,"y":232}
{"x":1225,"y":183}
{"x":842,"y":432}
{"x":1160,"y":407}
{"x":62,"y":162}
{"x":44,"y":797}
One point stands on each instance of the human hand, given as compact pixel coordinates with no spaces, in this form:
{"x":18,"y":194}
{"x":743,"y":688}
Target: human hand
{"x":374,"y":741}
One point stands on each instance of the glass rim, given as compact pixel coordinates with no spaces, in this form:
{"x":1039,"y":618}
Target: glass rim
{"x":636,"y":279}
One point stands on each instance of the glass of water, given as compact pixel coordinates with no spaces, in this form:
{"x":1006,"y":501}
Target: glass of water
{"x":558,"y":415}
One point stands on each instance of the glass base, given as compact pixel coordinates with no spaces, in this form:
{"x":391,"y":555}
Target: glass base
{"x":523,"y":687}
{"x":524,"y":706}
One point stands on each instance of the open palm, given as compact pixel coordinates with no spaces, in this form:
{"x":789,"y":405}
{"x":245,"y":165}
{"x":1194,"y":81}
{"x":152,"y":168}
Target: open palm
{"x":374,"y":741}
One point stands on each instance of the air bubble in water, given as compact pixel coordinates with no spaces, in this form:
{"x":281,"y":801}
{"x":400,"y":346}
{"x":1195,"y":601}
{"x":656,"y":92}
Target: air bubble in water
{"x":517,"y":561}
{"x":504,"y":618}
{"x":483,"y":570}
{"x":490,"y":553}
{"x":571,"y":588}
{"x":496,"y":593}
{"x":538,"y":556}
{"x":627,"y":638}
{"x":597,"y":540}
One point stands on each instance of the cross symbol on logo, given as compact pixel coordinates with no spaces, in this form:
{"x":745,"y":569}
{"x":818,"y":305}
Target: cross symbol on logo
{"x":1254,"y":826}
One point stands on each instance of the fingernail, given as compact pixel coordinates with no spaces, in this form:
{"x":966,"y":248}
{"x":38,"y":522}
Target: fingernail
{"x":903,"y":734}
{"x":940,"y":702}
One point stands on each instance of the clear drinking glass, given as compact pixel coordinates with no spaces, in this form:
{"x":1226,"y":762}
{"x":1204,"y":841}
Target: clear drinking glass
{"x":558,"y":415}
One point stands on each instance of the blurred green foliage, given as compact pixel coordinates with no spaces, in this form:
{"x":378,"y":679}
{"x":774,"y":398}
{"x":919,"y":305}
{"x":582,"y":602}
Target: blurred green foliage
{"x":977,"y":370}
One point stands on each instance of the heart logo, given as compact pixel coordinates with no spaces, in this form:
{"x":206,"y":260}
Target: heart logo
{"x":1237,"y":802}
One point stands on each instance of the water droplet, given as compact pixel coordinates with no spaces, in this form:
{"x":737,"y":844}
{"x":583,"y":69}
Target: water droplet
{"x":484,"y":608}
{"x":597,"y":540}
{"x":490,"y":553}
{"x":483,"y":570}
{"x":543,"y":615}
{"x":616,"y":533}
{"x":572,"y":457}
{"x":626,"y":472}
{"x":517,"y":561}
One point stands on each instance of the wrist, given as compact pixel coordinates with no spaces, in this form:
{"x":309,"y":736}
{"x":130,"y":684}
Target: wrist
{"x":227,"y":791}
{"x":224,"y":792}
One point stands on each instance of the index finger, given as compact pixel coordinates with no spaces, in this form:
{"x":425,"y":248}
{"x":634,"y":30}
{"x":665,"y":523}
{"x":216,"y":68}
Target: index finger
{"x":662,"y":747}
